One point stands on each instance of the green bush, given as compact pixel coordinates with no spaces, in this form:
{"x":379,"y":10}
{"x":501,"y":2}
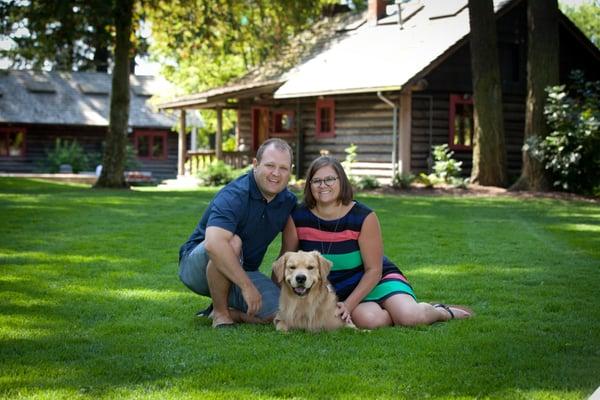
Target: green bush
{"x":218,"y":173}
{"x":445,"y":167}
{"x":445,"y":170}
{"x":131,"y":160}
{"x":402,"y":181}
{"x":571,"y":152}
{"x":367,"y":182}
{"x":66,"y":152}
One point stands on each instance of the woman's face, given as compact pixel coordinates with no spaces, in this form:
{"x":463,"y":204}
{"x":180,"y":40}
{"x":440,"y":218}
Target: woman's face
{"x":325,"y":185}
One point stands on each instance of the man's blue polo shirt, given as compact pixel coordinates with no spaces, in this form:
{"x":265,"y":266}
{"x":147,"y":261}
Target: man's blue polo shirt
{"x":241,"y":209}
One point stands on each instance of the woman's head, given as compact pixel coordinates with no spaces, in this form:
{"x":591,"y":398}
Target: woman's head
{"x":339,"y":183}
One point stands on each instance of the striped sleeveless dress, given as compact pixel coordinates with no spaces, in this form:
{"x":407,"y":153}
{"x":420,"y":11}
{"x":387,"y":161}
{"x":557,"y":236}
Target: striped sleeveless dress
{"x":337,"y":240}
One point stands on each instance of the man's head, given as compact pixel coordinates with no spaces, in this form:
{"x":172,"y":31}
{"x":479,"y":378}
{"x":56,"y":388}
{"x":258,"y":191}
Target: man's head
{"x":272,"y":167}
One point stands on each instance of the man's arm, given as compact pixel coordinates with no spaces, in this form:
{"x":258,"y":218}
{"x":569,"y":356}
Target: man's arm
{"x":224,"y":258}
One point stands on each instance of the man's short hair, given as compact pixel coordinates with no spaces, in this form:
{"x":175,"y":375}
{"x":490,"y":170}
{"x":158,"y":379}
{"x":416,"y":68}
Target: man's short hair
{"x":279,"y":144}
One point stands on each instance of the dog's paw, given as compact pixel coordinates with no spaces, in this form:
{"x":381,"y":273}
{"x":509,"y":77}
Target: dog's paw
{"x":280,"y":325}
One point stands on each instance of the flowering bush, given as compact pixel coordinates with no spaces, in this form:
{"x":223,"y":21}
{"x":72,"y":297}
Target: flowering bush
{"x":571,"y":152}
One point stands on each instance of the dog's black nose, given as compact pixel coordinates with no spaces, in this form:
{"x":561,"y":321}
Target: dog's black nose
{"x":300,"y":278}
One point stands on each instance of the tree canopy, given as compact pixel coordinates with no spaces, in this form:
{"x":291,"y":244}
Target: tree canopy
{"x":585,"y":16}
{"x":205,"y":43}
{"x":63,"y":35}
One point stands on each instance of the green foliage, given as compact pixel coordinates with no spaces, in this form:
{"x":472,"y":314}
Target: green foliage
{"x":403,"y":181}
{"x":445,"y":170}
{"x":585,"y":16}
{"x":367,"y":182}
{"x":66,"y":152}
{"x":91,"y":306}
{"x":207,"y":43}
{"x":350,"y":159}
{"x":63,"y":35}
{"x":445,"y":166}
{"x":131,"y":161}
{"x":571,"y":152}
{"x":218,"y":173}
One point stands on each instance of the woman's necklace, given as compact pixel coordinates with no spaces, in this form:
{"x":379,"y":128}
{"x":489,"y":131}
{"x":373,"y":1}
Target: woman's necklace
{"x":334,"y":230}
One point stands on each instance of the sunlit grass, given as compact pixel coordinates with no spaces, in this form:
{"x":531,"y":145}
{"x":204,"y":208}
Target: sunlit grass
{"x":91,"y":306}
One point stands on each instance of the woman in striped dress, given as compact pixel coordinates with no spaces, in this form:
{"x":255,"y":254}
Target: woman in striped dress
{"x":371,"y":289}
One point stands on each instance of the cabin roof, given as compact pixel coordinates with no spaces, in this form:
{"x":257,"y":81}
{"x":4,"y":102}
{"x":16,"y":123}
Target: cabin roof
{"x":76,"y":98}
{"x":386,"y":56}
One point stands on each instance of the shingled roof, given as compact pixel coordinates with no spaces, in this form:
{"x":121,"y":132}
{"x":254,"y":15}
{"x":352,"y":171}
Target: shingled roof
{"x":76,"y":98}
{"x":271,"y":74}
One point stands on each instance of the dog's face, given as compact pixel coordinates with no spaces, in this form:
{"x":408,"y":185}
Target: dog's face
{"x":302,"y":271}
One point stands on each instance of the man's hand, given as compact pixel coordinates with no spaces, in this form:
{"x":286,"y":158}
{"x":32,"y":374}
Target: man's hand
{"x":253,"y":299}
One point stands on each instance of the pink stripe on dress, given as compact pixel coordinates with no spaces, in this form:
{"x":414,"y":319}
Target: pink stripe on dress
{"x":394,"y":275}
{"x":315,"y":234}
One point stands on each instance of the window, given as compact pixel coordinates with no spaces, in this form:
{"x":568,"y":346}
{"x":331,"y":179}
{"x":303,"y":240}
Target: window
{"x":151,"y":145}
{"x":12,"y":142}
{"x":461,"y":122}
{"x":325,"y":117}
{"x":283,"y":123}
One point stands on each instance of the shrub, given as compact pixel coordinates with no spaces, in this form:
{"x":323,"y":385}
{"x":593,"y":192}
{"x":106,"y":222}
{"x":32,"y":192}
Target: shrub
{"x":131,"y":160}
{"x":571,"y":152}
{"x":402,"y":181}
{"x":66,"y":152}
{"x":350,"y":159}
{"x":367,"y":182}
{"x":445,"y":167}
{"x":218,"y":173}
{"x":445,"y":170}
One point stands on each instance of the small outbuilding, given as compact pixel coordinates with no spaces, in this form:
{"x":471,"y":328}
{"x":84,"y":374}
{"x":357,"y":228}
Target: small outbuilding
{"x":37,"y":108}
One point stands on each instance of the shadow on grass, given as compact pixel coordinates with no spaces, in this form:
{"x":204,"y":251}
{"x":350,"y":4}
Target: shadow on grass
{"x":100,"y":312}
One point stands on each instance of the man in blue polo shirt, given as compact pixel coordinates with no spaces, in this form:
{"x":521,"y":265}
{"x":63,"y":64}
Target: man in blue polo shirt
{"x":222,"y":256}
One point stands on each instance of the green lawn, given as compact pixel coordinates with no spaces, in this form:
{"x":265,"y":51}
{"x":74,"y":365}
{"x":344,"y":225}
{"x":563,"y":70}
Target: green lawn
{"x":91,"y":305}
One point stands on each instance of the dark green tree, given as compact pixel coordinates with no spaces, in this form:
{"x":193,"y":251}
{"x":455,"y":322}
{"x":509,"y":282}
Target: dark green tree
{"x":115,"y":153}
{"x":61,"y":35}
{"x":542,"y":72}
{"x":489,"y":153}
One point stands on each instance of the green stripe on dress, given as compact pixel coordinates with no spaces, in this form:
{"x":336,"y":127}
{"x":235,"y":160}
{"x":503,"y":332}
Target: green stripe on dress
{"x":344,"y":261}
{"x":385,"y":288}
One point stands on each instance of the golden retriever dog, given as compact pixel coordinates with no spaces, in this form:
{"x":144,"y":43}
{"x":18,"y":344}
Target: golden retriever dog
{"x":307,"y":300}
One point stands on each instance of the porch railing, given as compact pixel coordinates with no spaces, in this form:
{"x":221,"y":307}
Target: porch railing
{"x":199,"y":159}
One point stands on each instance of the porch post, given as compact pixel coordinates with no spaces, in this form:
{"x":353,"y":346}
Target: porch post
{"x":405,"y":131}
{"x":219,"y":135}
{"x":181,"y":148}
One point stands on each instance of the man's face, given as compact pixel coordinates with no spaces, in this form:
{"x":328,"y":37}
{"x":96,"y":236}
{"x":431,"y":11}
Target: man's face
{"x":272,"y":174}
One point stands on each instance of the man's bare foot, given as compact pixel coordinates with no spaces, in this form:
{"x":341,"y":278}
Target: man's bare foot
{"x":221,"y":320}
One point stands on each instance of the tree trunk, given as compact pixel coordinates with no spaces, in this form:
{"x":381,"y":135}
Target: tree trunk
{"x":542,"y":71}
{"x":489,"y":153}
{"x":113,"y":164}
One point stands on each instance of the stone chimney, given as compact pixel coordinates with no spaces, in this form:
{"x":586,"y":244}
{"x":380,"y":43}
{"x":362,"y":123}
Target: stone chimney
{"x":376,"y":11}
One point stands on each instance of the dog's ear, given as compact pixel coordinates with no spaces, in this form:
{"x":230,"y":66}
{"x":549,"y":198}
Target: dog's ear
{"x":324,"y":265}
{"x":279,"y":268}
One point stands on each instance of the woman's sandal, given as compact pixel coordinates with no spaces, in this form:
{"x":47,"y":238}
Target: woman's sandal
{"x":452,"y":316}
{"x":445,"y":307}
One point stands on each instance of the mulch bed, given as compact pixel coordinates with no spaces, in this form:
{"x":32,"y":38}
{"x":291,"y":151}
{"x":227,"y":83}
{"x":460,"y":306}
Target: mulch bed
{"x":480,"y":191}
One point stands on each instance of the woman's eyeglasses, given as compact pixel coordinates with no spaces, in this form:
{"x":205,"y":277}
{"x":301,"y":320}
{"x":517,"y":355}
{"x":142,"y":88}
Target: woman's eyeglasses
{"x":328,"y":181}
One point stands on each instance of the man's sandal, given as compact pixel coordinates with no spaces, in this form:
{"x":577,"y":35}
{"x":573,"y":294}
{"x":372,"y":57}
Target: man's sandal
{"x":206,"y":312}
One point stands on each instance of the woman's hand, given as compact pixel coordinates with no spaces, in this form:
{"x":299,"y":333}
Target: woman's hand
{"x":343,"y":312}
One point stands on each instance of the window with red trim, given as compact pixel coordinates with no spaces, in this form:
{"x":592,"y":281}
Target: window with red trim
{"x":12,"y":142}
{"x":461,"y":122}
{"x":151,"y":145}
{"x":283,"y":123}
{"x":325,"y":118}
